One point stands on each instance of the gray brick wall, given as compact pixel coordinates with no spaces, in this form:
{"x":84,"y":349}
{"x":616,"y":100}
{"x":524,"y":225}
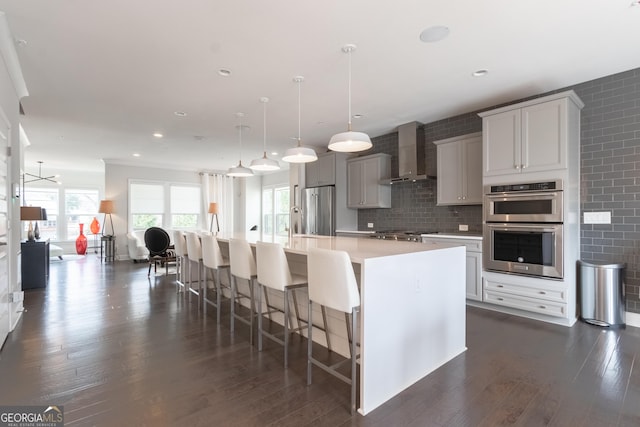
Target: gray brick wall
{"x":610,"y":176}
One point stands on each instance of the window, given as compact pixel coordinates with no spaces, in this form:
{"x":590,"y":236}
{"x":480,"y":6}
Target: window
{"x":185,"y":206}
{"x":275,"y":211}
{"x":46,"y":198}
{"x":164,"y":205}
{"x":147,"y":205}
{"x":80,"y":207}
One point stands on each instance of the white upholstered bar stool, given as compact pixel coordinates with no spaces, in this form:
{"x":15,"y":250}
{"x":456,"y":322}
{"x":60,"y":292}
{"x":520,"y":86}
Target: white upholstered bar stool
{"x":213,"y":261}
{"x":332,"y":283}
{"x":243,"y":266}
{"x":274,"y":273}
{"x":194,"y":254}
{"x":180,"y":245}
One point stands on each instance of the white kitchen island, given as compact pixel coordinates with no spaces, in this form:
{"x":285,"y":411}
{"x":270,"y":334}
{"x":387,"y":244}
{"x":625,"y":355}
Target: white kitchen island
{"x":412,"y":318}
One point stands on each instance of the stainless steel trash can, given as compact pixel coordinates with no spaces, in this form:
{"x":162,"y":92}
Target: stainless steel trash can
{"x":602,"y":294}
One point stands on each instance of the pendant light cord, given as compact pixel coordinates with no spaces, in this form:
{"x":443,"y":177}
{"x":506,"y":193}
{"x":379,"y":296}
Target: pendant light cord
{"x":240,"y":135}
{"x":264,"y":126}
{"x":299,"y":108}
{"x":349,"y":54}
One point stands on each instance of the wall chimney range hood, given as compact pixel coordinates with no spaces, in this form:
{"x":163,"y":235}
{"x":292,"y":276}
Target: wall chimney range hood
{"x":411,"y":156}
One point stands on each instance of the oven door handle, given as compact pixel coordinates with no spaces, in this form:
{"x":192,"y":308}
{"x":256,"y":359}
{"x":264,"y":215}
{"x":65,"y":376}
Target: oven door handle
{"x":522,"y":227}
{"x":503,"y":196}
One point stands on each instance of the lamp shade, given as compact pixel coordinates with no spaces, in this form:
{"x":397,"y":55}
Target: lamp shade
{"x":30,"y":213}
{"x":300,"y":154}
{"x":350,"y":142}
{"x":213,"y":208}
{"x":106,"y":207}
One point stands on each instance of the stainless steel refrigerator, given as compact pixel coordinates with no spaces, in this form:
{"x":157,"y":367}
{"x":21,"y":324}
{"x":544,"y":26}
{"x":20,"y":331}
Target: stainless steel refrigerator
{"x":319,"y":210}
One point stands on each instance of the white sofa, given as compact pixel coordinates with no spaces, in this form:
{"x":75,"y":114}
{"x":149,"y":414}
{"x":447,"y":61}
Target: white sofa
{"x":135,"y":245}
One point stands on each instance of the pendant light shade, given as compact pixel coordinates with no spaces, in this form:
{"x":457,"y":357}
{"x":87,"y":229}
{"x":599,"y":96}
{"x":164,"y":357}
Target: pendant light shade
{"x":349,"y":141}
{"x":264,"y":163}
{"x":299,"y":154}
{"x":240,"y":171}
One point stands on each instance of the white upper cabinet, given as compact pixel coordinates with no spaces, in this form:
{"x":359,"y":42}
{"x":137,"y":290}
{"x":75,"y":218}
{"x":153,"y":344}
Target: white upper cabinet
{"x":460,"y":170}
{"x":363,"y":182}
{"x":528,"y":137}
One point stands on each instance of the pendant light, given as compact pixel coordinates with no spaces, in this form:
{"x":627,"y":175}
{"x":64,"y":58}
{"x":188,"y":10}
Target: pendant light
{"x":264,"y":163}
{"x":240,"y":171}
{"x":299,"y":154}
{"x":349,"y":141}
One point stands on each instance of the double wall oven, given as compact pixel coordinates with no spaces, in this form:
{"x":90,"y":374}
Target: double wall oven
{"x":523,"y":227}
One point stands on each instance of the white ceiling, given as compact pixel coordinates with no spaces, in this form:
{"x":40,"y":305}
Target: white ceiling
{"x":103,"y":76}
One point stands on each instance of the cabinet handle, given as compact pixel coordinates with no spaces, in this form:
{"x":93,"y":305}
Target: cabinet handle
{"x":544,"y":307}
{"x":464,"y":197}
{"x":516,"y":166}
{"x":459,"y":197}
{"x":543,"y":293}
{"x":499,"y":286}
{"x":500,"y":299}
{"x":523,"y":166}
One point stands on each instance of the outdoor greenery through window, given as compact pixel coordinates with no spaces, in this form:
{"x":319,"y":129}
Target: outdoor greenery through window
{"x":81,"y":206}
{"x":66,"y":209}
{"x":164,"y":205}
{"x":275,"y":210}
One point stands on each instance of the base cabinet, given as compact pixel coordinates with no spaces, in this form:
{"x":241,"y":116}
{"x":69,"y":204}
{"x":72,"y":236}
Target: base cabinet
{"x":34,"y":264}
{"x":473,"y":264}
{"x":549,"y":300}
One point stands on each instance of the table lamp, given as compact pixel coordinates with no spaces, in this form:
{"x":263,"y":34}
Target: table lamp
{"x":30,"y":213}
{"x":106,"y":207}
{"x":213,"y":210}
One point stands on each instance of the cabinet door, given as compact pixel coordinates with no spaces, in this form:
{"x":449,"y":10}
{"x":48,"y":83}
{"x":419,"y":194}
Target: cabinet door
{"x":326,"y":166}
{"x":471,"y":172}
{"x":370,"y":183}
{"x":544,"y":136}
{"x":354,"y":184}
{"x":474,"y":276}
{"x":501,"y":136}
{"x":449,"y":174}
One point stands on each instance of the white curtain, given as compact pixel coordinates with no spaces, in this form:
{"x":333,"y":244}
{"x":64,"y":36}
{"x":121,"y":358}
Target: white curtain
{"x":219,"y":189}
{"x":204,"y":210}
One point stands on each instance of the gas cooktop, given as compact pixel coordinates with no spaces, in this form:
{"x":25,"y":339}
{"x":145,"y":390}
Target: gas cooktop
{"x":406,"y":235}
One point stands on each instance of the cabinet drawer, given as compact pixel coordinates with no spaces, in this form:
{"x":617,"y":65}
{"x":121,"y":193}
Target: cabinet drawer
{"x":536,"y":292}
{"x":471,"y":245}
{"x":523,"y":303}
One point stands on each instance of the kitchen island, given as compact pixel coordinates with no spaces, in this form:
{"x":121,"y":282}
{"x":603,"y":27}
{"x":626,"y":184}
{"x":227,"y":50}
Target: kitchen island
{"x":412,"y":317}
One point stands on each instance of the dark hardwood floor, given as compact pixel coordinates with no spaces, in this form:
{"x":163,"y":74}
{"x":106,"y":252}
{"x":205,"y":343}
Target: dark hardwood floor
{"x":116,"y":348}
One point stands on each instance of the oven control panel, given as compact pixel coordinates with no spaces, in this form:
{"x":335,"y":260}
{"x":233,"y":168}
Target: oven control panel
{"x":531,"y":186}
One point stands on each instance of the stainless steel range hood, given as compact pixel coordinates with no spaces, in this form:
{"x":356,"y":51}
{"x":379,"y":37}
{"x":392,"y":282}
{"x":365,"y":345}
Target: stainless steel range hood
{"x":411,"y":156}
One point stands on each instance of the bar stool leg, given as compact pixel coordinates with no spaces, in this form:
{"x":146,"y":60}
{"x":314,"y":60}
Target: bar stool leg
{"x":309,"y":343}
{"x":354,"y":325}
{"x":233,"y":302}
{"x":326,"y":327}
{"x":286,"y":327}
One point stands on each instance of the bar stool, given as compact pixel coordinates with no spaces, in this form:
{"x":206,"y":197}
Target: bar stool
{"x":243,"y":266}
{"x":274,"y":273}
{"x":194,"y":254}
{"x":332,"y":283}
{"x":213,"y":260}
{"x":180,"y":246}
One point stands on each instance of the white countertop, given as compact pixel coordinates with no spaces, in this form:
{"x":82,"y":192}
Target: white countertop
{"x":358,"y":249}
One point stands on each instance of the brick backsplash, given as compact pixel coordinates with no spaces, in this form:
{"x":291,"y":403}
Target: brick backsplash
{"x":610,"y":176}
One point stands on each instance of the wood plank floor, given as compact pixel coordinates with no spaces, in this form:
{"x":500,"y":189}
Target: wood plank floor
{"x":116,"y":348}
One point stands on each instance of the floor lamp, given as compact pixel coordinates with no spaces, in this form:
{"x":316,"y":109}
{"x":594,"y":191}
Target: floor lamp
{"x":106,"y":207}
{"x":213,"y":210}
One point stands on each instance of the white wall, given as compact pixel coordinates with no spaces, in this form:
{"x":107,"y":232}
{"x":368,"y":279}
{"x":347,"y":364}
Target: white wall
{"x":117,"y":178}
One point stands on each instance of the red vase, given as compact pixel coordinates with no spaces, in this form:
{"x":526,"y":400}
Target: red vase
{"x":95,"y":226}
{"x":81,"y":242}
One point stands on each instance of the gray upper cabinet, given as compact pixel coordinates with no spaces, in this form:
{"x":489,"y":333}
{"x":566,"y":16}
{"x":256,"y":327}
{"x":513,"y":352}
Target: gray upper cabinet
{"x":322,"y":171}
{"x":363,"y":182}
{"x":528,"y":137}
{"x":460,"y":170}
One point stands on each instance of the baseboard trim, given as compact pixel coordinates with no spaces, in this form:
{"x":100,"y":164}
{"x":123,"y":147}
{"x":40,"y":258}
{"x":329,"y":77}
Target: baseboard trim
{"x":632,"y":319}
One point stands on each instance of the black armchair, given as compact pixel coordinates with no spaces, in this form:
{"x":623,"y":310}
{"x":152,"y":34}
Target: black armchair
{"x":158,"y":243}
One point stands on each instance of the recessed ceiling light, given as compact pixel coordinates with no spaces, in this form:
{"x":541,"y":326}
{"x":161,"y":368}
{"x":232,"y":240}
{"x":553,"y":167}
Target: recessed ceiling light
{"x":224,"y":72}
{"x":434,"y":34}
{"x":480,"y":73}
{"x":158,"y":135}
{"x":21,"y":42}
{"x":357,"y":116}
{"x":274,"y":153}
{"x":180,"y":113}
{"x":136,"y":154}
